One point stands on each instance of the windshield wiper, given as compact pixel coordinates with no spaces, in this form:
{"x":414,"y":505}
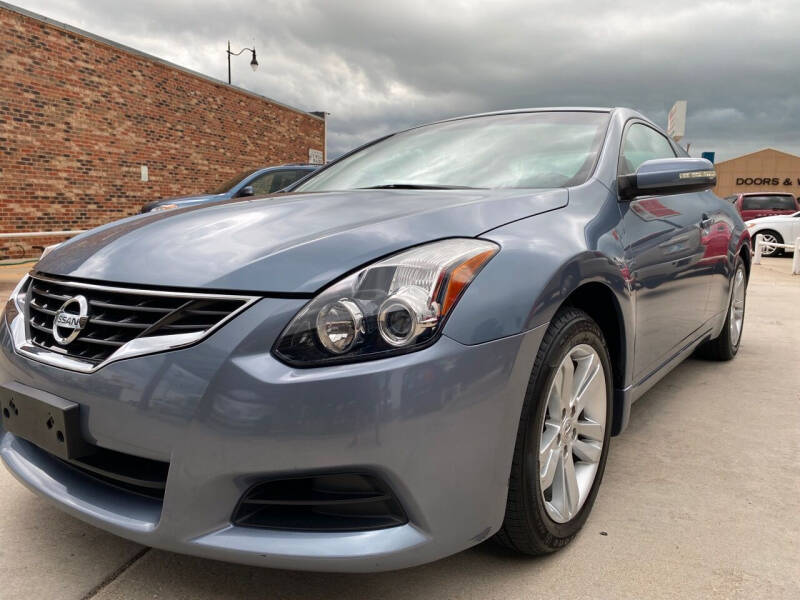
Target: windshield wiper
{"x":417,"y":186}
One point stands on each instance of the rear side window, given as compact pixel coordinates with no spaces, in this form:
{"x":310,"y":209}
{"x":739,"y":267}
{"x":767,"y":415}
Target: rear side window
{"x":642,"y":143}
{"x":768,"y":203}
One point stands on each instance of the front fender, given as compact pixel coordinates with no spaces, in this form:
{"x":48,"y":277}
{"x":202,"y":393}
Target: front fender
{"x":542,"y":261}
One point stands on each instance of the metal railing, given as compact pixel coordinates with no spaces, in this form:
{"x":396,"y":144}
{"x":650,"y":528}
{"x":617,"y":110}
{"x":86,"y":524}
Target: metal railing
{"x":18,"y":235}
{"x":761,"y":244}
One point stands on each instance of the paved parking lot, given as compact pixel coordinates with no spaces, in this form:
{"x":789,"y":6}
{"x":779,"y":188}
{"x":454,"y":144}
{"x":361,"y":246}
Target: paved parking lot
{"x":701,"y":499}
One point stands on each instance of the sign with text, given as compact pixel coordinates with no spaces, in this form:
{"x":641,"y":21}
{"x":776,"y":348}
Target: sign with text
{"x":315,"y":157}
{"x":766,"y":181}
{"x":676,"y":122}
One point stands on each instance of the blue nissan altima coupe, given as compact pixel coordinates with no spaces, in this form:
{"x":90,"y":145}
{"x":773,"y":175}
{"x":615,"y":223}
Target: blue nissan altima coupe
{"x":427,"y":343}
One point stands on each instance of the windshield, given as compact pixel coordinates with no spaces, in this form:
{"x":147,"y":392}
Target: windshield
{"x":520,"y":150}
{"x":232,"y":182}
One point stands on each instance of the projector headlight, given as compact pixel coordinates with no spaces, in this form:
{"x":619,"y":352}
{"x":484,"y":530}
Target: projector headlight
{"x":393,"y":306}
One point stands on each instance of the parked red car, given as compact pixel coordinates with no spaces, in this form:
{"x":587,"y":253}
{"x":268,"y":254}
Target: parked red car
{"x":764,"y":204}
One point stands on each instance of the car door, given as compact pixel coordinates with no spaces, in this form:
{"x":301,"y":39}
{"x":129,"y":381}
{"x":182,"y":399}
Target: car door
{"x":663,"y":248}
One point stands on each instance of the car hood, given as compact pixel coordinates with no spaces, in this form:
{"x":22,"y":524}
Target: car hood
{"x":292,"y":243}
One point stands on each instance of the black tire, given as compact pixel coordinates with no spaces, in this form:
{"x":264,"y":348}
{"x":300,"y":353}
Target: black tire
{"x":722,"y":347}
{"x":527,"y":528}
{"x":778,"y":238}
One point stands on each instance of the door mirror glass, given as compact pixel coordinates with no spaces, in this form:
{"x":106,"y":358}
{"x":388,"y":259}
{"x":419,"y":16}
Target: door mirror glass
{"x":663,"y":176}
{"x":247,"y":191}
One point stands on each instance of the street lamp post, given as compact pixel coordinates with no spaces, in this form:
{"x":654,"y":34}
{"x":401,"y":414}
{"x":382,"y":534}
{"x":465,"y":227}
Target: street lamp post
{"x":253,"y":63}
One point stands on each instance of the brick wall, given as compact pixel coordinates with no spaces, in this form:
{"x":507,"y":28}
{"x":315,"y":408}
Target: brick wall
{"x":78,"y":118}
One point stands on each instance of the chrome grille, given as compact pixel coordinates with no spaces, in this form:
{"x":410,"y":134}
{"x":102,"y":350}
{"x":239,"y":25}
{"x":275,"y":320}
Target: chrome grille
{"x":117,"y":316}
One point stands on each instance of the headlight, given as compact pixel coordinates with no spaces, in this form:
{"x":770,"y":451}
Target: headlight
{"x":16,"y":301}
{"x":164,"y":207}
{"x":48,"y":249}
{"x":393,"y":306}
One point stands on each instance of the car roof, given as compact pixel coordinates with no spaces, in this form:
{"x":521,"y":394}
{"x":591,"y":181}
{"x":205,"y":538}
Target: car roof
{"x":625,"y":113}
{"x":525,"y":110}
{"x":303,"y":166}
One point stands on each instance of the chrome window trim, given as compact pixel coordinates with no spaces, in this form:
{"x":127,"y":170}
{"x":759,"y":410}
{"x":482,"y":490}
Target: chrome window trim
{"x":136,"y":347}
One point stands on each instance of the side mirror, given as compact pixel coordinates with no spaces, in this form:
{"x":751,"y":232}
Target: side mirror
{"x":664,"y":176}
{"x":247,"y":191}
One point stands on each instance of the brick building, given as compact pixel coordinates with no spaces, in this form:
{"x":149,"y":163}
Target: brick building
{"x":80,"y":116}
{"x":767,"y":170}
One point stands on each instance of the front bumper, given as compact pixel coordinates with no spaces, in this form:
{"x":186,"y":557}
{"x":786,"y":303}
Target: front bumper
{"x":438,"y":426}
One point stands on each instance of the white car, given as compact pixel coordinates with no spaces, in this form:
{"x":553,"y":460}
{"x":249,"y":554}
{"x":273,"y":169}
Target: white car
{"x":783,"y":229}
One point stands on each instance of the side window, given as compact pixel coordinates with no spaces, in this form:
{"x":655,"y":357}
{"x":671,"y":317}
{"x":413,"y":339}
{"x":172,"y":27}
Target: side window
{"x":642,"y":143}
{"x":286,"y":178}
{"x":262,"y":185}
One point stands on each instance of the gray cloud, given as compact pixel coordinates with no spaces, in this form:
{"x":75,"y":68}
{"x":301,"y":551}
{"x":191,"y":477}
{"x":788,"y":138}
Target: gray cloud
{"x":378,"y":66}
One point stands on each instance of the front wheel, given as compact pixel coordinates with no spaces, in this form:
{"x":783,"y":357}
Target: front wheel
{"x":563,"y":437}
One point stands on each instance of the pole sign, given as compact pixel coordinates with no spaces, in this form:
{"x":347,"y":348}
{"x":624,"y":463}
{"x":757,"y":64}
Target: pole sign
{"x":676,"y":122}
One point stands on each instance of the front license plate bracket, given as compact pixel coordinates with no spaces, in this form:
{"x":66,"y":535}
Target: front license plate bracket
{"x":43,"y":419}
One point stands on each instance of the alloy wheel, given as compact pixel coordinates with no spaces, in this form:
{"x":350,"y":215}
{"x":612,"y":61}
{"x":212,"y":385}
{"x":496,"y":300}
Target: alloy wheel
{"x":736,"y":318}
{"x":573,"y":429}
{"x":768,"y":250}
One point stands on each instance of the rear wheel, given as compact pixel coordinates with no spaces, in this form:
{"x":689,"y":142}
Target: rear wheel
{"x":563,"y":437}
{"x":769,"y":236}
{"x":726,"y":344}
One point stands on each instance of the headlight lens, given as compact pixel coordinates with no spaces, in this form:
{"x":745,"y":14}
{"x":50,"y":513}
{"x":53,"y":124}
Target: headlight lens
{"x":393,"y":306}
{"x":164,"y":207}
{"x":16,"y":301}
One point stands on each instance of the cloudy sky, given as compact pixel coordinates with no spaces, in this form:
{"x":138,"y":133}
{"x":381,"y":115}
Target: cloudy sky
{"x":378,"y":66}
